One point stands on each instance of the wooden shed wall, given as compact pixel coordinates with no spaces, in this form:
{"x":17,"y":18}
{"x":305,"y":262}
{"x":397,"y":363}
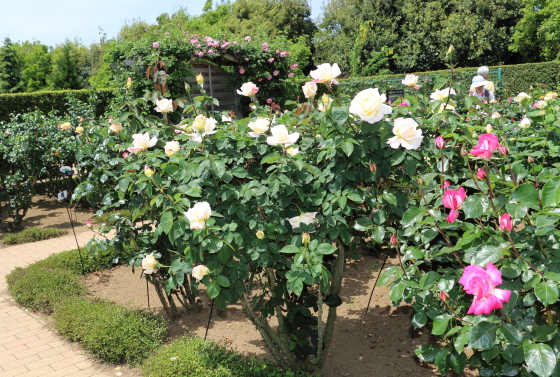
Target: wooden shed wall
{"x":218,"y":84}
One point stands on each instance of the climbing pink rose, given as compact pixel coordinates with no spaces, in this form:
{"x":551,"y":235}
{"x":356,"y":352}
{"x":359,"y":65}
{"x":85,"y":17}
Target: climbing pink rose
{"x":241,"y":71}
{"x":155,"y":45}
{"x":487,"y":143}
{"x":506,"y":224}
{"x":453,"y":199}
{"x":482,"y":284}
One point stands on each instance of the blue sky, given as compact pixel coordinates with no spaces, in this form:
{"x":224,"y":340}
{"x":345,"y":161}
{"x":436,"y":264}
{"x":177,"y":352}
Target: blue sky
{"x":52,"y":21}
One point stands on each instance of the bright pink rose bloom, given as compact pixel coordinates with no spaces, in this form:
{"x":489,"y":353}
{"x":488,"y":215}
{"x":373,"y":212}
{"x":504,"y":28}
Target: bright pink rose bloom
{"x":291,"y":74}
{"x":241,"y":71}
{"x":275,"y":73}
{"x":270,"y":60}
{"x":265,"y":45}
{"x":481,"y":174}
{"x":440,"y":142}
{"x":453,"y":199}
{"x":247,"y":38}
{"x":125,"y":154}
{"x":487,"y":143}
{"x":482,"y":284}
{"x":443,"y":296}
{"x":506,"y":225}
{"x":445,"y":185}
{"x":155,"y":45}
{"x":394,"y":240}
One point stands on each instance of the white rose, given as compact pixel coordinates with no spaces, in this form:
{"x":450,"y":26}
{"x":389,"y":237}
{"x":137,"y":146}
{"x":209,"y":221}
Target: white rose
{"x":525,"y":123}
{"x":406,"y":134}
{"x":495,"y":115}
{"x":149,"y":263}
{"x":446,"y":106}
{"x":143,"y":141}
{"x":206,"y":128}
{"x":280,"y":136}
{"x":306,"y":218}
{"x":326,"y":103}
{"x":198,"y":214}
{"x":259,"y":127}
{"x":540,"y":104}
{"x":442,"y":94}
{"x":164,"y":105}
{"x":325,"y":73}
{"x":368,"y":105}
{"x":292,"y":151}
{"x":115,"y":127}
{"x":171,"y":147}
{"x":200,"y":271}
{"x":410,"y":80}
{"x":521,"y":96}
{"x":309,"y":89}
{"x":248,"y":89}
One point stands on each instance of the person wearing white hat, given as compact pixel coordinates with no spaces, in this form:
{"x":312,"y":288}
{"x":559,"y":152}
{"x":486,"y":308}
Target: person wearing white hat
{"x":479,"y":91}
{"x":484,"y":71}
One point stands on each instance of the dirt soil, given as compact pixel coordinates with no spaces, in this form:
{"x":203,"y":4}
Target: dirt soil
{"x":380,"y":343}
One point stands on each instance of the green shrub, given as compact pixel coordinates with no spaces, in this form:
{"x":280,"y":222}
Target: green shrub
{"x":194,"y":357}
{"x":111,"y":332}
{"x":32,"y":235}
{"x":39,"y":287}
{"x":70,"y":260}
{"x":48,"y":101}
{"x":111,"y":218}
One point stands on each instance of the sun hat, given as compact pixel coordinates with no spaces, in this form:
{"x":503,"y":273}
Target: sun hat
{"x":478,"y":81}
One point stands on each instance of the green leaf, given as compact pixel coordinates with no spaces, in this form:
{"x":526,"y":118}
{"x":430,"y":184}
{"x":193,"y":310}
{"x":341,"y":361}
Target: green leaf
{"x":213,"y":289}
{"x":223,"y":281}
{"x":460,"y":342}
{"x":483,"y":336}
{"x":427,"y":352}
{"x":550,"y":194}
{"x":412,"y":216}
{"x":419,"y":319}
{"x":526,"y":193}
{"x":516,"y":210}
{"x":297,"y":286}
{"x":428,"y":280}
{"x":511,"y":333}
{"x":440,"y":324}
{"x":339,"y":114}
{"x":363,"y":224}
{"x":270,"y":158}
{"x":325,"y":248}
{"x":166,"y":221}
{"x":544,"y":333}
{"x":290,"y":249}
{"x":475,"y":206}
{"x":540,"y":359}
{"x":219,"y":168}
{"x":347,"y":147}
{"x":378,"y":234}
{"x":486,"y":254}
{"x":396,"y":292}
{"x":547,"y":292}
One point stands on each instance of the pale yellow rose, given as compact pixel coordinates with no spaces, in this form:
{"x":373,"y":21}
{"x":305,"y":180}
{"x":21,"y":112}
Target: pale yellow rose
{"x":79,"y":129}
{"x":280,"y":136}
{"x":260,"y":234}
{"x":306,"y":218}
{"x":292,"y":151}
{"x":115,"y":127}
{"x":525,"y":123}
{"x":164,"y":106}
{"x":172,"y":147}
{"x":309,"y":89}
{"x":406,"y":134}
{"x":259,"y":127}
{"x":369,"y":105}
{"x":198,"y":214}
{"x":325,"y":73}
{"x":149,"y":263}
{"x":442,"y":94}
{"x":410,"y":80}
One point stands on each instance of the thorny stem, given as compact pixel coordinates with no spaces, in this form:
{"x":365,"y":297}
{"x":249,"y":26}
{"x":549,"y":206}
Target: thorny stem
{"x":549,"y":318}
{"x":490,"y":192}
{"x":455,"y":314}
{"x":512,"y":175}
{"x":543,"y":249}
{"x":520,"y":256}
{"x":505,"y":316}
{"x":484,"y":229}
{"x":397,"y":246}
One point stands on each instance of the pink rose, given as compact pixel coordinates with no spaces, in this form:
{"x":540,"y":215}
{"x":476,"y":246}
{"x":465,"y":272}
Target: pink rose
{"x":293,"y":66}
{"x":440,"y":142}
{"x":482,"y":284}
{"x":453,"y":200}
{"x":506,"y":224}
{"x":155,"y":45}
{"x":270,"y":60}
{"x":487,"y":143}
{"x":445,"y":185}
{"x":247,"y":38}
{"x":481,"y":174}
{"x":265,"y":45}
{"x":89,"y":224}
{"x":502,"y":150}
{"x":269,"y":77}
{"x":275,"y":73}
{"x":242,"y":71}
{"x":291,"y":74}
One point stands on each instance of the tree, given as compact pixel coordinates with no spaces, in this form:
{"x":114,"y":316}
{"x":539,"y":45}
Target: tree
{"x":36,"y":61}
{"x":10,"y":68}
{"x":65,"y":65}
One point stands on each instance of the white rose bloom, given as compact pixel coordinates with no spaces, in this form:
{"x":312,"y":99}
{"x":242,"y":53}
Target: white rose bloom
{"x":325,"y":73}
{"x":446,"y":106}
{"x":200,"y":271}
{"x":525,"y":123}
{"x":541,"y":104}
{"x":143,"y":141}
{"x":248,"y":89}
{"x":306,"y":218}
{"x":368,"y":105}
{"x":410,"y":80}
{"x":406,"y":134}
{"x":280,"y":136}
{"x":115,"y":127}
{"x":495,"y":115}
{"x":309,"y":89}
{"x":164,"y":105}
{"x":172,"y":147}
{"x":325,"y":106}
{"x":206,"y":128}
{"x":198,"y":214}
{"x":521,"y":96}
{"x":149,"y":263}
{"x":292,"y":151}
{"x":442,"y":94}
{"x":259,"y":127}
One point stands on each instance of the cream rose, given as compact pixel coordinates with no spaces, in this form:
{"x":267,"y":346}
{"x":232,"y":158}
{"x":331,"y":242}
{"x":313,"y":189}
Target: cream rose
{"x":521,"y":96}
{"x":410,"y":80}
{"x":259,"y":127}
{"x":306,"y":218}
{"x":292,"y":151}
{"x":525,"y":123}
{"x":368,"y":105}
{"x":65,"y":126}
{"x":172,"y":147}
{"x":198,"y":214}
{"x":325,"y":73}
{"x":164,"y":106}
{"x":406,"y":134}
{"x":248,"y":89}
{"x":204,"y":126}
{"x":142,"y":142}
{"x":115,"y":127}
{"x":309,"y":89}
{"x":199,"y":272}
{"x":260,"y":234}
{"x":149,"y":263}
{"x":280,"y":136}
{"x":442,"y":94}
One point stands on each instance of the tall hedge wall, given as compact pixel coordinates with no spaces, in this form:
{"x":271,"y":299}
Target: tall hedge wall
{"x":48,"y":101}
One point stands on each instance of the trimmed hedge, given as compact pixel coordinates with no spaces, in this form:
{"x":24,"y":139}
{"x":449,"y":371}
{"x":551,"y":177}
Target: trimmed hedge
{"x":47,"y":101}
